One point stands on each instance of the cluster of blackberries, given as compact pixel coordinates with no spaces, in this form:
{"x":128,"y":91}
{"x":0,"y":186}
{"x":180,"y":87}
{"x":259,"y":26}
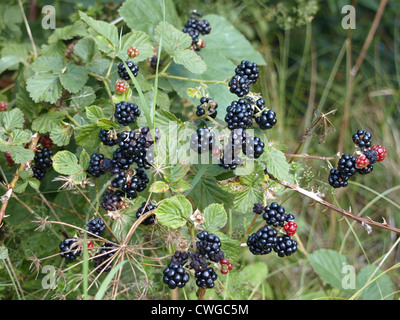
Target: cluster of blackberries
{"x":207,"y":107}
{"x":266,"y":239}
{"x":349,"y":165}
{"x":42,"y":162}
{"x":240,"y":141}
{"x":123,"y":73}
{"x":208,"y":250}
{"x":195,"y":27}
{"x":246,"y":73}
{"x":202,"y":141}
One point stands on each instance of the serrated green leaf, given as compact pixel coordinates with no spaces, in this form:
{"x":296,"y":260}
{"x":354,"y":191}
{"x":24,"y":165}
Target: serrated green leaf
{"x":83,"y":98}
{"x":68,"y":32}
{"x":159,"y":187}
{"x":85,"y":49}
{"x":84,"y":159}
{"x":34,"y":183}
{"x":93,"y":113}
{"x":20,"y":136}
{"x":231,"y":247}
{"x":49,"y":121}
{"x":65,"y":162}
{"x":44,"y":87}
{"x":88,"y":136}
{"x":276,"y":163}
{"x":380,"y":288}
{"x":174,"y":40}
{"x":246,"y":199}
{"x":106,"y":124}
{"x":328,"y":264}
{"x":140,"y":40}
{"x":8,"y":61}
{"x":74,"y":78}
{"x":180,"y":186}
{"x":21,"y":186}
{"x":48,"y":64}
{"x":191,"y":61}
{"x":215,"y":217}
{"x":20,"y":154}
{"x":13,"y":119}
{"x":61,"y":135}
{"x":254,"y":273}
{"x":174,"y":212}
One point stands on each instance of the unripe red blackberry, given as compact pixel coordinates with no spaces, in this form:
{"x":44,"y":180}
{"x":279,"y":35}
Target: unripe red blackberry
{"x":121,"y":87}
{"x":362,"y":161}
{"x":381,"y":151}
{"x":133,"y":52}
{"x":3,"y":105}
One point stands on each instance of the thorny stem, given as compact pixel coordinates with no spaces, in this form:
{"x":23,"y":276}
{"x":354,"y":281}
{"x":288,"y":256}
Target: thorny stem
{"x":11,"y":186}
{"x":365,"y":222}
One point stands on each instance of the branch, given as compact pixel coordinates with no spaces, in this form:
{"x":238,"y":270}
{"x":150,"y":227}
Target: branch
{"x":365,"y":222}
{"x":11,"y":186}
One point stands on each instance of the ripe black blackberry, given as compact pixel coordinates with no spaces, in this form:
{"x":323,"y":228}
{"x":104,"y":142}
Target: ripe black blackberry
{"x":229,"y":163}
{"x":112,"y":200}
{"x":69,"y":249}
{"x":209,"y":245}
{"x":254,"y":247}
{"x":198,"y":261}
{"x":180,"y":257}
{"x":253,"y":147}
{"x":143,"y":209}
{"x":204,"y":27}
{"x":274,"y":215}
{"x":263,"y":241}
{"x":266,"y":118}
{"x":153,"y":62}
{"x":99,"y":165}
{"x":202,"y":141}
{"x":239,"y":85}
{"x":193,"y":33}
{"x":248,"y":69}
{"x":347,"y":165}
{"x":285,"y":246}
{"x":258,"y":208}
{"x":126,"y":112}
{"x":108,"y":137}
{"x":119,"y":176}
{"x":42,"y":162}
{"x":123,"y":73}
{"x":371,"y":155}
{"x":96,"y":226}
{"x":175,"y":276}
{"x":206,"y":278}
{"x":136,"y":184}
{"x":209,"y":105}
{"x":368,"y":169}
{"x":362,"y":138}
{"x":102,"y":261}
{"x":337,"y":179}
{"x":239,"y":115}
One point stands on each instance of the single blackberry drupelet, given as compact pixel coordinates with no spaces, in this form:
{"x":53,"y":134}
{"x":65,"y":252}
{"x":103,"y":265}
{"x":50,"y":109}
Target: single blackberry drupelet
{"x":274,"y":215}
{"x":69,"y":249}
{"x":180,"y":257}
{"x":108,"y":137}
{"x":126,"y":112}
{"x":337,"y":179}
{"x":102,"y":259}
{"x":362,"y":138}
{"x":267,"y":119}
{"x":207,"y":105}
{"x":123,"y":73}
{"x":202,"y":141}
{"x":112,"y":200}
{"x":96,"y":226}
{"x":239,"y":85}
{"x":175,"y":276}
{"x":209,"y":245}
{"x":239,"y":115}
{"x":371,"y":155}
{"x":285,"y":246}
{"x":347,"y":165}
{"x":248,"y":69}
{"x":143,"y":209}
{"x":206,"y":278}
{"x":99,"y":165}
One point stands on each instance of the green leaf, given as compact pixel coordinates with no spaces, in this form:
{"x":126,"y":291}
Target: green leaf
{"x":44,"y":87}
{"x":231,"y":247}
{"x":215,"y":217}
{"x":48,"y":64}
{"x":246,"y":199}
{"x":276,"y":163}
{"x":174,"y":212}
{"x":20,"y":136}
{"x":49,"y":121}
{"x":21,"y":186}
{"x":93,"y":113}
{"x":68,"y":32}
{"x":65,"y":162}
{"x":380,"y":288}
{"x":328,"y":264}
{"x":88,"y":136}
{"x":159,"y":187}
{"x":106,"y":124}
{"x":74,"y":78}
{"x":8,"y":61}
{"x":83,"y":98}
{"x":3,"y":253}
{"x":144,"y":15}
{"x":180,"y":186}
{"x":85,"y":49}
{"x":34,"y":183}
{"x":140,"y":40}
{"x":20,"y":154}
{"x":13,"y":119}
{"x":191,"y":61}
{"x":254,"y":273}
{"x":173,"y":40}
{"x":61,"y":135}
{"x":84,"y":160}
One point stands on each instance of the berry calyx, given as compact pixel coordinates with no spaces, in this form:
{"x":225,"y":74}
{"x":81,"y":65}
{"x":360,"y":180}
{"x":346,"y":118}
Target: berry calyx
{"x":381,"y":152}
{"x":121,"y":87}
{"x":133,"y":52}
{"x":362,"y":161}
